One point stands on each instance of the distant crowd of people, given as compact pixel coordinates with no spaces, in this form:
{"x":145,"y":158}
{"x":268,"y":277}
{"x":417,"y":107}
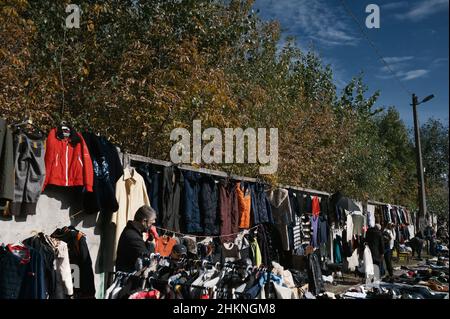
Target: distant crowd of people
{"x":382,"y":243}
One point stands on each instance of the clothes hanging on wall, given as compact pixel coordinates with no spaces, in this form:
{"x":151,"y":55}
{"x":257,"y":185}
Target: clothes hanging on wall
{"x":294,"y":228}
{"x":315,"y":230}
{"x":172,"y":186}
{"x":323,"y":230}
{"x":229,"y":210}
{"x":244,"y":202}
{"x":190,"y":202}
{"x":260,"y":207}
{"x":131,"y":194}
{"x":30,"y":172}
{"x":358,"y":221}
{"x":209,"y":207}
{"x":6,"y":165}
{"x":107,"y":171}
{"x":67,"y":160}
{"x":281,"y":213}
{"x":153,"y":177}
{"x":315,"y":206}
{"x":325,"y":206}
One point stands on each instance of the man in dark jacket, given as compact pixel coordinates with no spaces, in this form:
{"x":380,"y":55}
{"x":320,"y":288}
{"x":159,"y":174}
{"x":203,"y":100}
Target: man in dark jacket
{"x":131,"y":243}
{"x":416,"y":243}
{"x":374,"y":240}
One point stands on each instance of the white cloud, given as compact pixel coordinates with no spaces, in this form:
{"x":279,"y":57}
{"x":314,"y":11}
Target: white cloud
{"x":406,"y":75}
{"x":396,"y":63}
{"x":424,"y":9}
{"x":312,"y":20}
{"x":399,"y":66}
{"x":439,"y":61}
{"x":398,"y":59}
{"x":413,"y":74}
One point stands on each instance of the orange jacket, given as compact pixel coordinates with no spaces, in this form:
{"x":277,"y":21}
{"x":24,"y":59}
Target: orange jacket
{"x":244,"y":202}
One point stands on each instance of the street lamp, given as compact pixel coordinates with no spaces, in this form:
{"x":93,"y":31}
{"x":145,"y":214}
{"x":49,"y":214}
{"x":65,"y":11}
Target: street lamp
{"x":419,"y":164}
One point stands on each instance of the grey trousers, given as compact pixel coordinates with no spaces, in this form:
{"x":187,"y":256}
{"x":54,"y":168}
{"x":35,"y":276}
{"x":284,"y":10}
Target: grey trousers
{"x":29,"y":166}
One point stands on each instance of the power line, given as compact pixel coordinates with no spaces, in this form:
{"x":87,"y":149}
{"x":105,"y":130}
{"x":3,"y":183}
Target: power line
{"x":374,"y":47}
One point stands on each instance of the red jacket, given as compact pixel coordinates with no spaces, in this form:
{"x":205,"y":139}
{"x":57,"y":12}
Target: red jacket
{"x":67,"y":161}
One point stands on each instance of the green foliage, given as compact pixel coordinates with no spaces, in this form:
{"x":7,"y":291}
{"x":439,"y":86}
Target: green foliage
{"x":434,"y":140}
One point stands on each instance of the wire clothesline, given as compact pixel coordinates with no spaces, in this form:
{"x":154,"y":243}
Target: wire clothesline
{"x":207,"y":236}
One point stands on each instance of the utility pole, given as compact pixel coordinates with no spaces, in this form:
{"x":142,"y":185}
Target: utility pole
{"x":419,"y":165}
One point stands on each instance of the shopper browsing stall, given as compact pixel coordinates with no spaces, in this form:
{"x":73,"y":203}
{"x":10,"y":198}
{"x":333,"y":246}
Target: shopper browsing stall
{"x":131,"y":243}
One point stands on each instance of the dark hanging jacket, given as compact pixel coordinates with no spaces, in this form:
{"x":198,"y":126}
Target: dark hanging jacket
{"x":191,"y":208}
{"x":172,"y":185}
{"x":78,"y":255}
{"x":131,"y":246}
{"x":6,"y":164}
{"x":21,"y":279}
{"x":281,"y":212}
{"x":295,"y":209}
{"x":153,"y":176}
{"x":300,"y":203}
{"x":209,"y":197}
{"x":308,"y":204}
{"x":325,"y":207}
{"x":107,"y":171}
{"x":323,"y":230}
{"x":48,"y":257}
{"x":260,"y":205}
{"x":229,"y":210}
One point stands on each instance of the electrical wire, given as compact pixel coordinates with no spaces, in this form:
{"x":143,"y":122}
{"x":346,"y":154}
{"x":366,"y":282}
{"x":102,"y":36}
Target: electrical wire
{"x":374,"y":47}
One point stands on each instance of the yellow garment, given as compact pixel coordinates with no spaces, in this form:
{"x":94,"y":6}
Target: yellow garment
{"x":131,"y":194}
{"x":256,"y":252}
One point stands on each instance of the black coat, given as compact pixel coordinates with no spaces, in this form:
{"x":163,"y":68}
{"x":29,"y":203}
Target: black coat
{"x":78,"y":255}
{"x":131,"y":246}
{"x":48,"y":255}
{"x":107,"y":171}
{"x":374,"y":240}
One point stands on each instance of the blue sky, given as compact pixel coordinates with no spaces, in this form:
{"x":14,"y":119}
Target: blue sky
{"x":413,"y":38}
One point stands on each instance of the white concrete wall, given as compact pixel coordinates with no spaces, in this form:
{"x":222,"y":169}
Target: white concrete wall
{"x":54,"y":210}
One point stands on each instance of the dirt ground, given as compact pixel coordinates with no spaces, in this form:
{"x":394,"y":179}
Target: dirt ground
{"x":342,"y":284}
